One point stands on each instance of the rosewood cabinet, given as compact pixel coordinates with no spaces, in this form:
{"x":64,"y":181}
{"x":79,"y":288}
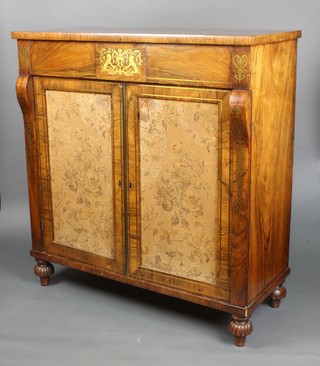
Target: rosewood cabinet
{"x":163,"y":160}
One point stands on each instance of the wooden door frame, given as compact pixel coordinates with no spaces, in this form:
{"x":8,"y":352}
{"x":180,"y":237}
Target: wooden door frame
{"x":134,"y":92}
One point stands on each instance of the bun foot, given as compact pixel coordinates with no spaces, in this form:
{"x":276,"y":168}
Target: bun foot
{"x":277,"y":295}
{"x":43,"y":270}
{"x":240,"y":328}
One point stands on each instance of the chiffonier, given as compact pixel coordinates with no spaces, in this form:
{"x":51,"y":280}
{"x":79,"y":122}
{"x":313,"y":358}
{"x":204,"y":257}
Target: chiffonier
{"x":163,"y":159}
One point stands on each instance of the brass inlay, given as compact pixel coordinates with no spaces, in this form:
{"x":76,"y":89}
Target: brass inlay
{"x":240,"y":67}
{"x":29,"y":140}
{"x":190,"y":80}
{"x":120,"y":62}
{"x":23,"y":56}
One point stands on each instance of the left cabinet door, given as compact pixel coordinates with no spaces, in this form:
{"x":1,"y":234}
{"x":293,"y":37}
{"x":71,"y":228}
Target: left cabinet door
{"x":79,"y":142}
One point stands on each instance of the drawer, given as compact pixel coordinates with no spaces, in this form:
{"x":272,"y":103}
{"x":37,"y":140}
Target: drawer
{"x":165,"y":64}
{"x":197,"y":65}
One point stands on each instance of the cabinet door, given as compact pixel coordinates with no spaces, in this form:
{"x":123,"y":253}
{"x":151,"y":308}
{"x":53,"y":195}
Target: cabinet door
{"x":79,"y":146}
{"x":178,"y":176}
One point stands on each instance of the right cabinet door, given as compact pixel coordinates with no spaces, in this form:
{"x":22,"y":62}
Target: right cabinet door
{"x":178,"y":178}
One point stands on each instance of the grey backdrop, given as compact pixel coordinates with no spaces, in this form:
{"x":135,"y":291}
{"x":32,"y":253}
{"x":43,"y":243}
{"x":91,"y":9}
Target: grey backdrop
{"x":84,"y":320}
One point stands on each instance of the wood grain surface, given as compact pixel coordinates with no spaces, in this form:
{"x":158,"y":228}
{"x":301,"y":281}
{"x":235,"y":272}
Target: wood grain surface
{"x":162,"y":35}
{"x":230,"y":93}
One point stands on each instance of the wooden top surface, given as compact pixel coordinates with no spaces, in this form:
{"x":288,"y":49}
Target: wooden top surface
{"x":158,"y":35}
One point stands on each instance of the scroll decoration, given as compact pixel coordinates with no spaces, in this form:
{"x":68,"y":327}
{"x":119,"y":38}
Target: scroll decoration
{"x":120,"y":62}
{"x":240,"y":67}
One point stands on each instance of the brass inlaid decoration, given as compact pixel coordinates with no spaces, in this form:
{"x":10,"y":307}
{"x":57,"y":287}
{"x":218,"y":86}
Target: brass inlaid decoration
{"x":81,"y":172}
{"x":29,"y":141}
{"x":120,"y":62}
{"x":240,"y":67}
{"x":179,"y":178}
{"x":23,"y":56}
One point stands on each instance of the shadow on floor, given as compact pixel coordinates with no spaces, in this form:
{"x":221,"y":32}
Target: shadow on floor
{"x":217,"y":320}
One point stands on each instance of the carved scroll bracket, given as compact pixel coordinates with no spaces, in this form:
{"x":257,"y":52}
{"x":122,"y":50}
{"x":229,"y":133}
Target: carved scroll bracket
{"x":24,"y":92}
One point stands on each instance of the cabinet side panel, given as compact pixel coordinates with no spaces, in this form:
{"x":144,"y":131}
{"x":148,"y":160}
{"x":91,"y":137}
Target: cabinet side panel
{"x":273,"y":86}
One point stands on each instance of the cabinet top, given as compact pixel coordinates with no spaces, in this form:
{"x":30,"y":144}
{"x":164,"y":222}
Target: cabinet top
{"x":159,"y":35}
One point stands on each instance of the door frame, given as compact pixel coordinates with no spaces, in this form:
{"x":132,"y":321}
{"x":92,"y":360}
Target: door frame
{"x":41,"y":85}
{"x":220,"y":289}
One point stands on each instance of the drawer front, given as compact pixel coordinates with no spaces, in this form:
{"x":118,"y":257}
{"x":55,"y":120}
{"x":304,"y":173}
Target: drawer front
{"x":189,"y":65}
{"x":164,"y":64}
{"x":67,"y":59}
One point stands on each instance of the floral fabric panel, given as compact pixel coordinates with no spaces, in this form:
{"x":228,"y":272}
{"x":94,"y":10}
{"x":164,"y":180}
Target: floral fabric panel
{"x":80,"y":149}
{"x":179,"y":174}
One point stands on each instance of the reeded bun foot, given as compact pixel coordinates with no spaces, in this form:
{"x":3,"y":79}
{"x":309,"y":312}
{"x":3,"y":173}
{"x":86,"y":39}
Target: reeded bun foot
{"x":240,"y":328}
{"x":277,"y":295}
{"x":43,"y":270}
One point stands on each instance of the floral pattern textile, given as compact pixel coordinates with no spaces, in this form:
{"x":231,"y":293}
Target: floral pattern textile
{"x":80,"y":153}
{"x":179,"y":174}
